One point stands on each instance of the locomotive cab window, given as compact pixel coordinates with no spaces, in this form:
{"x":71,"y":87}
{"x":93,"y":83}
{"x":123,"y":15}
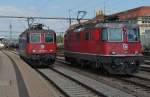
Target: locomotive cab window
{"x":35,"y":38}
{"x":48,"y":37}
{"x":112,"y":34}
{"x":115,"y":34}
{"x":104,"y":35}
{"x":133,"y":35}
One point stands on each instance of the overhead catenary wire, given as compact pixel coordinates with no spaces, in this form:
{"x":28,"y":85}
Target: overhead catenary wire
{"x":30,"y":17}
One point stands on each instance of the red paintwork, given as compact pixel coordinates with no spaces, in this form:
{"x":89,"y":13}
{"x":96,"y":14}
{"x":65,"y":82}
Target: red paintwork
{"x":117,"y":57}
{"x":96,"y":45}
{"x":49,"y":48}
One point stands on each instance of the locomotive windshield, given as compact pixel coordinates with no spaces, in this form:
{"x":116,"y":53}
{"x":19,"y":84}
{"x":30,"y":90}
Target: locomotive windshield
{"x":115,"y":34}
{"x":133,"y":34}
{"x":112,"y":34}
{"x":35,"y":38}
{"x":48,"y":37}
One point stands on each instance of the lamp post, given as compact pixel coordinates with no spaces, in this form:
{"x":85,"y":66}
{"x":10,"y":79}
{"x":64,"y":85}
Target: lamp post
{"x":69,"y":17}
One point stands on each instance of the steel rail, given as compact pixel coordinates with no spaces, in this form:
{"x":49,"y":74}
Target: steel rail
{"x":75,"y":87}
{"x":128,"y":87}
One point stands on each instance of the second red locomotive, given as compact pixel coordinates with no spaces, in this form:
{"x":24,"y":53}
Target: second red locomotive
{"x":38,"y":45}
{"x":114,"y":47}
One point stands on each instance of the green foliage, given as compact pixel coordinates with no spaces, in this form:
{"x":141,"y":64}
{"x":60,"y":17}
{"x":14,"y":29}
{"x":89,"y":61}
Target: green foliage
{"x":59,"y":39}
{"x":60,"y":42}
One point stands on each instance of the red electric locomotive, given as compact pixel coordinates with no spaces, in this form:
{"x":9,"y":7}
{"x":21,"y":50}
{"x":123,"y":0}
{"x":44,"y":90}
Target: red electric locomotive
{"x":38,"y":45}
{"x":113,"y":47}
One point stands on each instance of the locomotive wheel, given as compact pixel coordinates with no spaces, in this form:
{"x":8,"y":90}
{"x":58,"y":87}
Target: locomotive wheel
{"x":102,"y":70}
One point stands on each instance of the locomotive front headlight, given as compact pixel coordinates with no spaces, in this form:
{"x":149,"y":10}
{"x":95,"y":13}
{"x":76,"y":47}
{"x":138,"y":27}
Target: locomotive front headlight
{"x":113,"y":53}
{"x":33,"y":51}
{"x":136,"y":52}
{"x":1,"y":45}
{"x":51,"y":50}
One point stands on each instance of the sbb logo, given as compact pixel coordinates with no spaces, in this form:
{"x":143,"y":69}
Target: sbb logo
{"x":125,"y":46}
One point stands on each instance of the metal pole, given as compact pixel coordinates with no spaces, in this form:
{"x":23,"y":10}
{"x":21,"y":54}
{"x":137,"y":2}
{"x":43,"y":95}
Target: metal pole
{"x":69,"y":17}
{"x":28,"y":20}
{"x":10,"y":27}
{"x":104,"y":7}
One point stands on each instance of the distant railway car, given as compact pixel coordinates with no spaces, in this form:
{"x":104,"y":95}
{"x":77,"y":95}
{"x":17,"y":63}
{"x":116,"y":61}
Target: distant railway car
{"x":113,"y":47}
{"x":2,"y":45}
{"x":38,"y":45}
{"x":13,"y":44}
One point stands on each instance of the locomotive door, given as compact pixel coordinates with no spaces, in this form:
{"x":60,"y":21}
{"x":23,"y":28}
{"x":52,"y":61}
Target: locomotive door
{"x":125,"y":40}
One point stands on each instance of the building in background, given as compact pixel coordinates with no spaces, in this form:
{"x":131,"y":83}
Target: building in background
{"x":140,"y":16}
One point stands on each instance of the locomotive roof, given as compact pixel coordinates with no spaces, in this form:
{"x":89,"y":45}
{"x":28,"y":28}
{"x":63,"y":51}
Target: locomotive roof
{"x":103,"y":20}
{"x":38,"y":31}
{"x":37,"y":28}
{"x":86,"y":26}
{"x":116,"y":24}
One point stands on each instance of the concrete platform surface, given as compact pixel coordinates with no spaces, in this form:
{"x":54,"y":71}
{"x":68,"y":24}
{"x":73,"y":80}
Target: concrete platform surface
{"x":8,"y":82}
{"x":35,"y":84}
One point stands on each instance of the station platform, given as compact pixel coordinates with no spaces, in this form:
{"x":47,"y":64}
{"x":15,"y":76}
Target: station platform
{"x":20,"y":80}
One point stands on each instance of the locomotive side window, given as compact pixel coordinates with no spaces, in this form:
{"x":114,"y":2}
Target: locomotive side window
{"x":48,"y":37}
{"x":104,"y":35}
{"x":87,"y":35}
{"x":133,"y":35}
{"x":115,"y":34}
{"x":35,"y":38}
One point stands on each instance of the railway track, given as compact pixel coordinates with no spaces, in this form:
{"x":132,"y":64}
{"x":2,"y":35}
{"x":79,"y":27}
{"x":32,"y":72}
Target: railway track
{"x":147,"y":57}
{"x":135,"y":85}
{"x":145,"y":68}
{"x":147,"y":62}
{"x":68,"y":86}
{"x":139,"y":81}
{"x":100,"y":88}
{"x":138,"y":86}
